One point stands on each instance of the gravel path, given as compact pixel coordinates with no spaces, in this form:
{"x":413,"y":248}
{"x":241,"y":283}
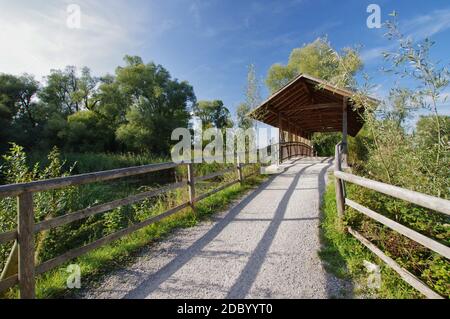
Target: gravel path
{"x":265,"y":246}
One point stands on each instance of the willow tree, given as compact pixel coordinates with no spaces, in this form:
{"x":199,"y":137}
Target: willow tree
{"x":317,"y":59}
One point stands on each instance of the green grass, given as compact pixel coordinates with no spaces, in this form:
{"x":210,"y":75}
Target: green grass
{"x":344,"y":257}
{"x":99,"y":262}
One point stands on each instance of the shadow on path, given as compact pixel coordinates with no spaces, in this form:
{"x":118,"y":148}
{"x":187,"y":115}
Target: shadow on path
{"x":244,"y":282}
{"x":155,"y":280}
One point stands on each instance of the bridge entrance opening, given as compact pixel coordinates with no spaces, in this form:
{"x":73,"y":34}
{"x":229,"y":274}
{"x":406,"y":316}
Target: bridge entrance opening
{"x":304,"y":106}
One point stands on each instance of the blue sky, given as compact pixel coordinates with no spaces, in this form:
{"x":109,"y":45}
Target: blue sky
{"x":208,"y":43}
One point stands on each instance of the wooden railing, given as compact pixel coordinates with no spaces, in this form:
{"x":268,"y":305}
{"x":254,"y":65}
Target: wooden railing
{"x":430,"y":202}
{"x":288,"y":150}
{"x":27,"y":228}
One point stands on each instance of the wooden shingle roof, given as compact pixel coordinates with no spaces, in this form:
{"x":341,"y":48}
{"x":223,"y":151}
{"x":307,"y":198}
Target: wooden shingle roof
{"x":309,"y":105}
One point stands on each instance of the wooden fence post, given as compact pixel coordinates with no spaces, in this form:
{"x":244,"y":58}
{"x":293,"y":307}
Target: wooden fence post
{"x":340,"y":201}
{"x":240,"y":173}
{"x":191,"y":185}
{"x":25,"y":240}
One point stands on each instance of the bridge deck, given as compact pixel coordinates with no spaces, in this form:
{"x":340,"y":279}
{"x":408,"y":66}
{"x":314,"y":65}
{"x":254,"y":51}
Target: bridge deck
{"x":265,"y":246}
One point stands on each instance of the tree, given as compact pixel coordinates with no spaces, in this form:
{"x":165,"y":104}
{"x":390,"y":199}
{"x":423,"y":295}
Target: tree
{"x":252,"y":99}
{"x":86,"y":132}
{"x":213,"y":113}
{"x":317,"y":59}
{"x":157,"y":105}
{"x":17,"y":107}
{"x":67,"y":93}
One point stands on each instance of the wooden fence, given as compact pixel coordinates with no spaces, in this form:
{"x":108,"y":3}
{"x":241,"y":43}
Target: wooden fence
{"x":27,"y":228}
{"x":288,"y":150}
{"x":430,"y":202}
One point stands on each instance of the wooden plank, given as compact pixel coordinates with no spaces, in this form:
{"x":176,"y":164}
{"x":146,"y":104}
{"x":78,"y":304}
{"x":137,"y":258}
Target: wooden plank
{"x":191,"y":185}
{"x":74,"y":253}
{"x":427,"y":201}
{"x":60,"y":182}
{"x":203,"y":196}
{"x":8,"y":236}
{"x":26,"y":246}
{"x":411,"y":234}
{"x":344,"y":132}
{"x":338,"y":183}
{"x":11,"y":267}
{"x":94,"y":210}
{"x":313,"y":107}
{"x":210,"y":176}
{"x":406,"y":275}
{"x":240,"y":173}
{"x":8,"y":282}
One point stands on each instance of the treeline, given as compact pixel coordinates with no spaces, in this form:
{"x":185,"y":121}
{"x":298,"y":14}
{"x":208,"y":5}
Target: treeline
{"x":134,"y":110}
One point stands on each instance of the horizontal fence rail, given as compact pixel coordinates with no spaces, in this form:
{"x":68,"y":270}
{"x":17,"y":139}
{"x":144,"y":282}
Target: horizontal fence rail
{"x":25,"y":270}
{"x":434,"y":203}
{"x":60,"y":182}
{"x":288,"y":150}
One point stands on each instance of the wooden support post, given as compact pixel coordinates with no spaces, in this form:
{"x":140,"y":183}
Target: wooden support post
{"x":25,"y":233}
{"x":191,"y":185}
{"x":344,"y":131}
{"x":340,"y":200}
{"x":280,"y":138}
{"x":240,"y":172}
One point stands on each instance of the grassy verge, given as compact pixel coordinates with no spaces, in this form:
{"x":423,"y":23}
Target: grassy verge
{"x":99,"y":262}
{"x":344,"y":257}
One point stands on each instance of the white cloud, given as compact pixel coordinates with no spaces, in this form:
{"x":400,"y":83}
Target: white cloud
{"x":35,"y":38}
{"x":375,"y":53}
{"x":429,"y":24}
{"x":417,"y":28}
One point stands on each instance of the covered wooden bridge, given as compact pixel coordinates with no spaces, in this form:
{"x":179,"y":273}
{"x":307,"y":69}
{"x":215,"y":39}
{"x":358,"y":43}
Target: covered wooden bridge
{"x":304,"y":106}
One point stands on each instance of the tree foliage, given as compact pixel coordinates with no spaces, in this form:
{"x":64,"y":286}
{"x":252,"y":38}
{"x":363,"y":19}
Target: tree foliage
{"x":319,"y":60}
{"x":135,"y":109}
{"x":213,"y":114}
{"x":252,"y":99}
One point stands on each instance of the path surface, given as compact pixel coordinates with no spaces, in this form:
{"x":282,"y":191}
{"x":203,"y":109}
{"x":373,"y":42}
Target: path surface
{"x":265,"y":246}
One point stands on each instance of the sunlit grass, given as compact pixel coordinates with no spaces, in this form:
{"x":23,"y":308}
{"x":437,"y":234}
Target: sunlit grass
{"x":344,"y":257}
{"x":120,"y":253}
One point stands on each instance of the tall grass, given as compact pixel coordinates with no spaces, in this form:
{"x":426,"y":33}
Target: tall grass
{"x":55,"y":203}
{"x":344,"y":256}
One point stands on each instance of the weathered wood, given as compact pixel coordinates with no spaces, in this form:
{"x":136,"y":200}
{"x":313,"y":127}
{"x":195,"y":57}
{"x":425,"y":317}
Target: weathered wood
{"x":213,"y":175}
{"x":191,"y":185}
{"x":207,"y":194}
{"x":298,"y":98}
{"x":411,"y":234}
{"x":74,"y":253}
{"x":313,"y":107}
{"x":406,"y":275}
{"x":344,"y":132}
{"x":11,"y":267}
{"x":280,"y":138}
{"x":427,"y":201}
{"x":8,"y":236}
{"x":8,"y":282}
{"x":26,"y":246}
{"x":94,"y":210}
{"x":240,"y":173}
{"x":55,"y":183}
{"x":338,"y":183}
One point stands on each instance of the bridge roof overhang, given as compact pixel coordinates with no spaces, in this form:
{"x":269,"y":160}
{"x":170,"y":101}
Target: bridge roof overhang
{"x":307,"y":105}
